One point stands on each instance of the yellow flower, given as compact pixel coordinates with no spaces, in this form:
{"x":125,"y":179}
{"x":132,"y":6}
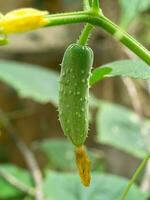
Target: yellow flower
{"x":22,"y":20}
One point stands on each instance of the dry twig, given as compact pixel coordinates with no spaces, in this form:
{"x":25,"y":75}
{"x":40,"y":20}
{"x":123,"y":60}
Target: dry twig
{"x":27,"y":154}
{"x":17,"y":183}
{"x":131,"y":88}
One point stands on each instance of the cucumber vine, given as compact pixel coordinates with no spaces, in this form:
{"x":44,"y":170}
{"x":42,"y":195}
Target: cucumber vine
{"x":92,"y":17}
{"x":99,"y":20}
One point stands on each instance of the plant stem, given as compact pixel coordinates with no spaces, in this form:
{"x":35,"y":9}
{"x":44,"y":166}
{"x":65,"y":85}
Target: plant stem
{"x":86,"y":4}
{"x":83,"y":39}
{"x":134,"y":177}
{"x":17,"y":183}
{"x":96,"y":6}
{"x":124,"y":38}
{"x":106,"y":24}
{"x":67,"y":14}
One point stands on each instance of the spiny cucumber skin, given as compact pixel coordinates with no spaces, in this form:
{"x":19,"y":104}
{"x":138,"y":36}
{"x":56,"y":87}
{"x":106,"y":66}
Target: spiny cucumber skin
{"x":74,"y":92}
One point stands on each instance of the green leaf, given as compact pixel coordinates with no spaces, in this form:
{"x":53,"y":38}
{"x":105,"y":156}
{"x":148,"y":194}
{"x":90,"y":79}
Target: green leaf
{"x":6,"y":189}
{"x":99,"y":74}
{"x":31,"y":81}
{"x":131,"y":68}
{"x":131,"y":9}
{"x":122,"y":128}
{"x":103,"y":187}
{"x":145,"y":5}
{"x":60,"y":154}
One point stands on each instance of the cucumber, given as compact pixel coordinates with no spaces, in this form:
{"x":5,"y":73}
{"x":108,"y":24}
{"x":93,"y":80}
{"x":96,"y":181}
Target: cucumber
{"x":74,"y":92}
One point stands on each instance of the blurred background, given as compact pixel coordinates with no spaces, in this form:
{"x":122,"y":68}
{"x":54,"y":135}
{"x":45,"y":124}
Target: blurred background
{"x":35,"y":119}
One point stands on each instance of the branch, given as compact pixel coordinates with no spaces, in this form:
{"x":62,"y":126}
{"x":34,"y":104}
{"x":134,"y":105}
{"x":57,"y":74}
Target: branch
{"x":17,"y":183}
{"x":106,"y":24}
{"x":133,"y":95}
{"x":86,"y":4}
{"x":134,"y":177}
{"x":27,"y":154}
{"x":96,"y":6}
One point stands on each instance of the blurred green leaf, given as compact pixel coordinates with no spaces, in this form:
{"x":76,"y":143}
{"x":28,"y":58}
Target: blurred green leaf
{"x":31,"y":81}
{"x":122,"y":128}
{"x":131,"y":68}
{"x":131,"y":9}
{"x":60,"y":154}
{"x":103,"y":187}
{"x":6,"y":189}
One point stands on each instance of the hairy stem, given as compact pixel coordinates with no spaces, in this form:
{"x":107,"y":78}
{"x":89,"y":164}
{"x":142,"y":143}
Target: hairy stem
{"x":107,"y":25}
{"x":124,"y":38}
{"x":96,"y":6}
{"x":86,"y":4}
{"x":83,"y":39}
{"x":67,"y":14}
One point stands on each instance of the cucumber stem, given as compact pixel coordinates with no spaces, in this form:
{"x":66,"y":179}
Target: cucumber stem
{"x":86,"y":5}
{"x":96,"y":6}
{"x":85,"y":34}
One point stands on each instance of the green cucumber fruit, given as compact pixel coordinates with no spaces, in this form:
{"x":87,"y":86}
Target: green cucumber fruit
{"x":74,"y":92}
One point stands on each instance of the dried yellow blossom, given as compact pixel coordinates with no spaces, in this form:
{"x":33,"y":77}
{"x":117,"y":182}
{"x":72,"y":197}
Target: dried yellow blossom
{"x":83,"y":165}
{"x":22,"y":20}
